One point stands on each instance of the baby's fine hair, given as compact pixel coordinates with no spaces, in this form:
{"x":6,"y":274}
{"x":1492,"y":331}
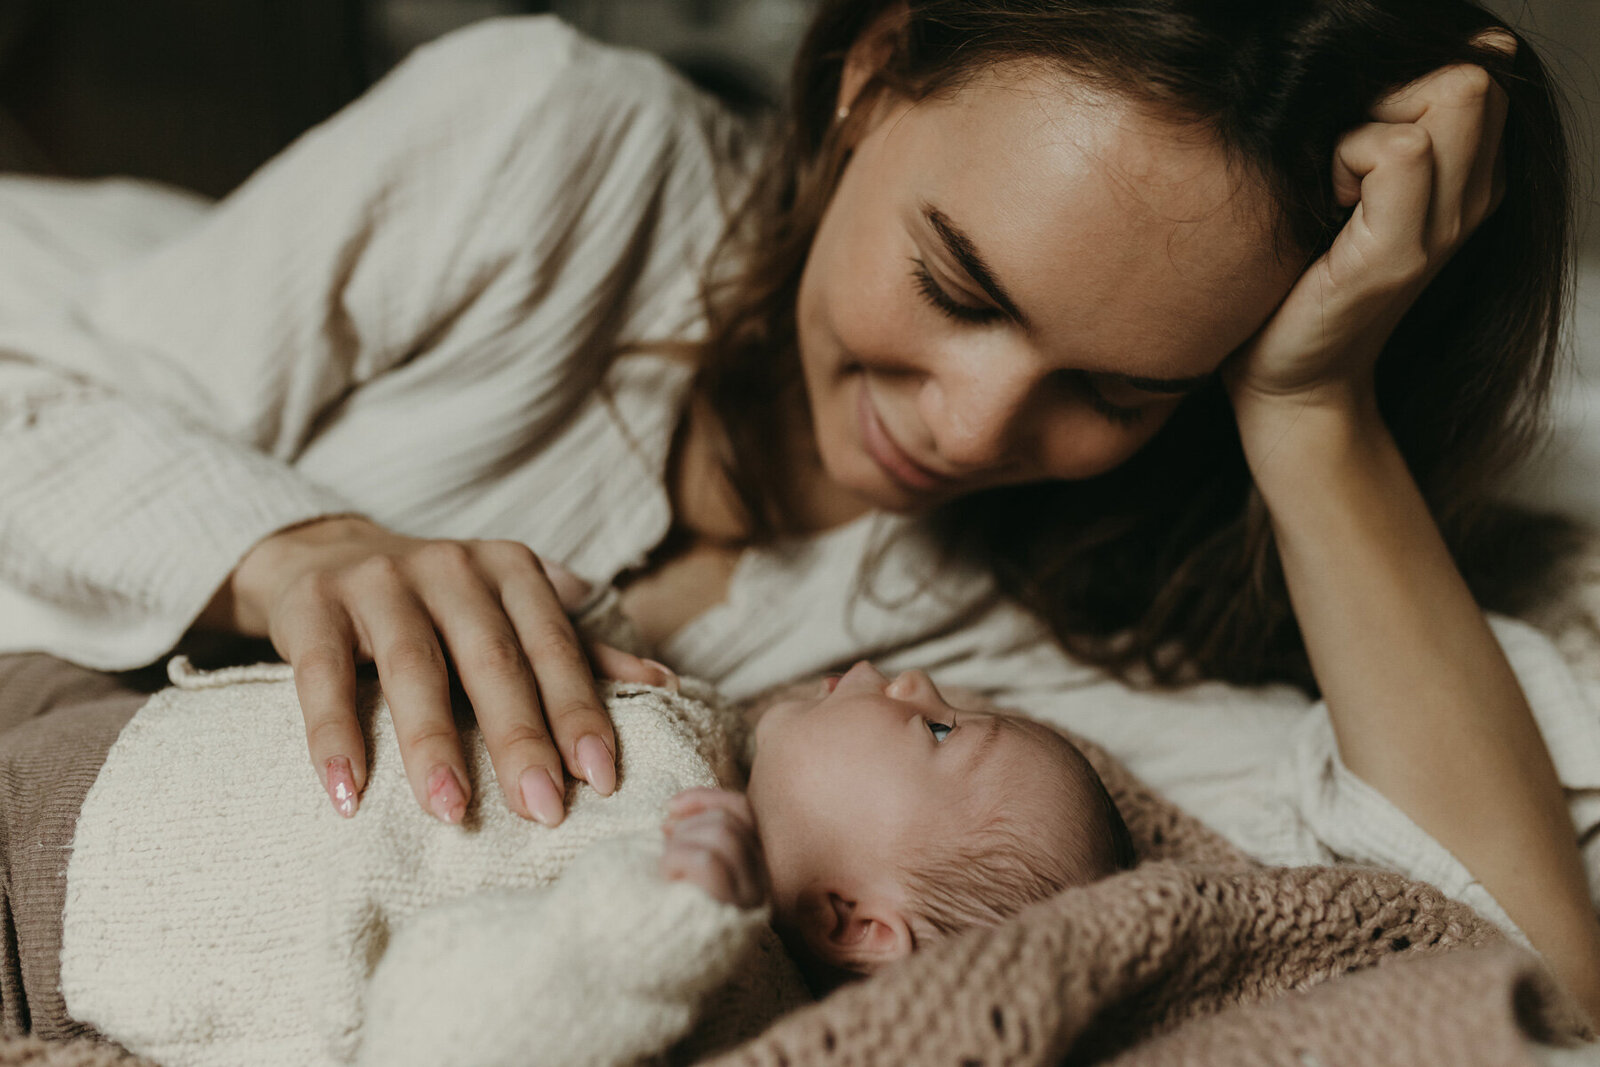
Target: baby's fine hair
{"x":990,"y":874}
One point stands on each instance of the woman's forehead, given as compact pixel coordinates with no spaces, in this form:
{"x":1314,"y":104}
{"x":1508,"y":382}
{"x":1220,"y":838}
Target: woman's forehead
{"x":1113,"y":228}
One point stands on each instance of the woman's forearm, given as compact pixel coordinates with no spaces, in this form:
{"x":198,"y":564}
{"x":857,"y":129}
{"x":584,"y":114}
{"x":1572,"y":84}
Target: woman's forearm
{"x":1423,"y":703}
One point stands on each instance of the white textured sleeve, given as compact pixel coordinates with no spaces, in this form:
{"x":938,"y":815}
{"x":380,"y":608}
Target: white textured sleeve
{"x":1333,"y":814}
{"x":149,"y":434}
{"x":609,"y":965}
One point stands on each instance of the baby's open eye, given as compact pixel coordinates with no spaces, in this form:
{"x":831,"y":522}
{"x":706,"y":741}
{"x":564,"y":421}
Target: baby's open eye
{"x":939,"y":730}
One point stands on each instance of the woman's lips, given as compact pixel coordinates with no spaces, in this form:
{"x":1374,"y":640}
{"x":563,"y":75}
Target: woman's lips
{"x":890,"y":456}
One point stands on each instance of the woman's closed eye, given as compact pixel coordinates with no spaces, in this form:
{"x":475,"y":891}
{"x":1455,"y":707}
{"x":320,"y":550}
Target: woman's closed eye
{"x":935,"y":294}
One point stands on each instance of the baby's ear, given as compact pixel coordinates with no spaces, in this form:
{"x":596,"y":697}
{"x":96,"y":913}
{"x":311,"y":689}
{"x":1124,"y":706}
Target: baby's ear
{"x":864,"y":934}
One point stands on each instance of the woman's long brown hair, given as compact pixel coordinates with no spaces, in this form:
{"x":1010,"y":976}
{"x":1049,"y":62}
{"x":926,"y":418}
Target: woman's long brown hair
{"x":1164,"y":568}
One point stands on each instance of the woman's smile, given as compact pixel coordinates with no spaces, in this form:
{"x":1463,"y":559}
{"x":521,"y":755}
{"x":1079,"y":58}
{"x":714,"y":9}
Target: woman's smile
{"x":894,"y":460}
{"x":1011,"y":194}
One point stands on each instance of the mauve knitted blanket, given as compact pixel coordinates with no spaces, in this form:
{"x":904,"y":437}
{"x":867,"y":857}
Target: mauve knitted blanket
{"x":1197,"y":956}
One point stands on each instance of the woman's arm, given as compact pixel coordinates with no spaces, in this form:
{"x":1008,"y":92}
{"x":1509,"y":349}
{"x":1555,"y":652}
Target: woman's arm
{"x":1423,"y":704}
{"x":149,"y":441}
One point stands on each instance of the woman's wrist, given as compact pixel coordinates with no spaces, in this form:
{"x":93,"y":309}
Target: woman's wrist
{"x":1297,"y":441}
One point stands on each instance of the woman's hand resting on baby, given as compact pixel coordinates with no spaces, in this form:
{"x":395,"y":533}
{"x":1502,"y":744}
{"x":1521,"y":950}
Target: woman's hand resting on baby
{"x":711,"y":842}
{"x":337,"y":592}
{"x":1421,"y":177}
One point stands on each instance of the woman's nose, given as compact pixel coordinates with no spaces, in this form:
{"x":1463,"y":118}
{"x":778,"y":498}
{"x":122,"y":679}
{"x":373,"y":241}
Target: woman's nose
{"x":978,"y":413}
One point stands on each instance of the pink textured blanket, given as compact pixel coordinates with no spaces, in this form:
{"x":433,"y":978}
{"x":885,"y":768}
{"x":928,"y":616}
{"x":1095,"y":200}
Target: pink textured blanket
{"x":1197,"y":956}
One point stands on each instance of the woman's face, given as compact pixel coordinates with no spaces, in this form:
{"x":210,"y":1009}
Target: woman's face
{"x":1018,"y":281}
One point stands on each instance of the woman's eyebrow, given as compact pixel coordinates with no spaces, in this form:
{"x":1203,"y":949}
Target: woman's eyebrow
{"x":962,"y":249}
{"x":967,"y":256}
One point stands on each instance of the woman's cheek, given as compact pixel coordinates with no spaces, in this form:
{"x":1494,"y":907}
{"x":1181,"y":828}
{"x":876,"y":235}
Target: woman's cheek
{"x":1079,"y":442}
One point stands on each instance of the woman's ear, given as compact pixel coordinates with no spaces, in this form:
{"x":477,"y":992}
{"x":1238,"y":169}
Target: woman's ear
{"x":869,"y":53}
{"x":864,"y":935}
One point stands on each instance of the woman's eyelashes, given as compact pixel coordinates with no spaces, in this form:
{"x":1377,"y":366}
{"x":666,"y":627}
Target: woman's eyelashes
{"x":981,"y":314}
{"x":944,"y":302}
{"x":1097,"y":401}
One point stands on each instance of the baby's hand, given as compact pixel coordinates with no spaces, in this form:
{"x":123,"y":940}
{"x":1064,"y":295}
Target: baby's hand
{"x":712,"y":843}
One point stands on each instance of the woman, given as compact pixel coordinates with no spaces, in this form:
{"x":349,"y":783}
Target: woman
{"x":1158,"y":319}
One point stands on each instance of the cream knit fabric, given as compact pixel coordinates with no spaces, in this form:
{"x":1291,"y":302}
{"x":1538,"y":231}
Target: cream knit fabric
{"x":219,"y":912}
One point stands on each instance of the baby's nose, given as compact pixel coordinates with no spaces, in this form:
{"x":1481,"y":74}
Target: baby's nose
{"x":913,"y":685}
{"x":863,"y":673}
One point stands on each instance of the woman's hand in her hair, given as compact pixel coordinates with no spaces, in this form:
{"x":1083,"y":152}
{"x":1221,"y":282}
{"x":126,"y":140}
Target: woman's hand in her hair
{"x":711,"y":842}
{"x":341,"y":591}
{"x":1420,"y":178}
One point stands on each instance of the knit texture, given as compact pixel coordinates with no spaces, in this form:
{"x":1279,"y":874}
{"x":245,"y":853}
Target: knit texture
{"x":1196,"y":950}
{"x":608,"y":966}
{"x":231,"y":917}
{"x":36,"y":1052}
{"x":56,"y":723}
{"x":1198,"y":956}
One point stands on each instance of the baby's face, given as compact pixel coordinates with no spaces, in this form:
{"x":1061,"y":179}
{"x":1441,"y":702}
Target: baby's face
{"x":848,"y":782}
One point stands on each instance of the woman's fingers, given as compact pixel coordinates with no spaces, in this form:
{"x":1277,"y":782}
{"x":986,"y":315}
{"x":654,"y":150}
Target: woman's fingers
{"x":1386,"y":240}
{"x":414,"y":675}
{"x":317,"y":640}
{"x":1463,"y":111}
{"x":496,"y":676}
{"x":342,"y":590}
{"x":623,"y":666}
{"x":562,"y":676}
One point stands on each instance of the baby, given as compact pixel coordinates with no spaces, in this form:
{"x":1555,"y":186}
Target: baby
{"x":240,"y":920}
{"x":888,"y":818}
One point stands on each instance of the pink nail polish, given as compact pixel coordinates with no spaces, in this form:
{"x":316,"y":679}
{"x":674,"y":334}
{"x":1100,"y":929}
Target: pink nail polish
{"x":446,"y":799}
{"x":341,"y":785}
{"x":667,"y":678}
{"x":540,"y":796}
{"x":599,"y":769}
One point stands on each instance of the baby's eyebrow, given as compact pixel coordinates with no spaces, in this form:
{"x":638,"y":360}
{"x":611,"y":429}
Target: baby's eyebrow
{"x":985,"y":743}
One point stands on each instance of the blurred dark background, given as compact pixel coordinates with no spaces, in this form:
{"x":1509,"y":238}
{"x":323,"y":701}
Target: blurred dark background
{"x":201,"y":92}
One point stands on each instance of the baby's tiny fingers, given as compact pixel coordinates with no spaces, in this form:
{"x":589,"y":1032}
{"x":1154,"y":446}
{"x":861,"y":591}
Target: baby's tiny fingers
{"x":703,"y":798}
{"x":683,"y":863}
{"x":737,"y":850}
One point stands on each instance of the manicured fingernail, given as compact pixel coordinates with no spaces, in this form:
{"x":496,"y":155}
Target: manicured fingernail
{"x":666,"y":677}
{"x":446,"y":799}
{"x":540,"y":796}
{"x":599,"y":769}
{"x":341,"y":785}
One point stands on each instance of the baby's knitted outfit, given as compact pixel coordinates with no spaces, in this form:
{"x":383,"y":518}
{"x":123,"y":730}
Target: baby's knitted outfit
{"x":220,"y":912}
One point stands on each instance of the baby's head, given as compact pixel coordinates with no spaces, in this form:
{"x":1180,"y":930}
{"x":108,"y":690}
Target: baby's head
{"x":890,"y":819}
